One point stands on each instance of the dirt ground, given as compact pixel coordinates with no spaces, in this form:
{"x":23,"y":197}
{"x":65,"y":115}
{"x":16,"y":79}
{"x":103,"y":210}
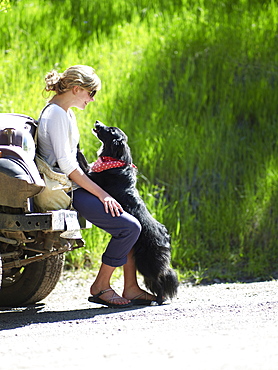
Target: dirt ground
{"x":220,"y":326}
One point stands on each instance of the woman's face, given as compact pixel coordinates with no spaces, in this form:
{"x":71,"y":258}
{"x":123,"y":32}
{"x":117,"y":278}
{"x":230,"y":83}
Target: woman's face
{"x":82,"y":97}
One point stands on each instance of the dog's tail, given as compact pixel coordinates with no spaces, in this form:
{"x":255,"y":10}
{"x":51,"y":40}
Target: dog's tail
{"x":165,"y":286}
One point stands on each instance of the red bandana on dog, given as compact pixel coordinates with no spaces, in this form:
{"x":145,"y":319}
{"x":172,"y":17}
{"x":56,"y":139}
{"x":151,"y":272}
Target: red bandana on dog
{"x":105,"y":163}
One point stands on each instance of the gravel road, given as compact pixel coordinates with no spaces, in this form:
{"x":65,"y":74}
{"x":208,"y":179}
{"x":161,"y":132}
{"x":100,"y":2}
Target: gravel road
{"x":220,"y":326}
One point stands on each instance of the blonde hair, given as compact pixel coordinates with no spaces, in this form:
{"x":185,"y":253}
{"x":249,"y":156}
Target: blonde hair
{"x":79,"y":75}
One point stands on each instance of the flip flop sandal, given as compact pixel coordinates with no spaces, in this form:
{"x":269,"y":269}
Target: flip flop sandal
{"x":138,"y":301}
{"x":95,"y":299}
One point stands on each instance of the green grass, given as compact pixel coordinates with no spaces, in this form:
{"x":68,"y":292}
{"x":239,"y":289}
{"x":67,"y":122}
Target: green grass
{"x":194,"y":86}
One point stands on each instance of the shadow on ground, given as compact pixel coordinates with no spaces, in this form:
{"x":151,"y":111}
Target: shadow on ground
{"x":12,"y":318}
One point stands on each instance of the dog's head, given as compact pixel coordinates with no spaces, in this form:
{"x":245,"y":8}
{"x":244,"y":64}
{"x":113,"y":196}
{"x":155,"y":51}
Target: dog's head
{"x":114,"y":142}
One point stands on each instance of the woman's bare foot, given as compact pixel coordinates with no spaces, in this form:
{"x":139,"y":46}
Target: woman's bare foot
{"x":109,"y":296}
{"x":137,"y":293}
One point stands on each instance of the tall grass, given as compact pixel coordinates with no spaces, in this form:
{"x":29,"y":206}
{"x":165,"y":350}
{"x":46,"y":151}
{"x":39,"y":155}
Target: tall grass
{"x":194,"y":86}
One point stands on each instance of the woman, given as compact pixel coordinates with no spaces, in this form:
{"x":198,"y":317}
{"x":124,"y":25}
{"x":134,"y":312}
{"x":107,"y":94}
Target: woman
{"x":58,"y":137}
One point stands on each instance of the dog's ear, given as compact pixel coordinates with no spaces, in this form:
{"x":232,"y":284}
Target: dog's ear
{"x":117,"y":142}
{"x":117,"y":148}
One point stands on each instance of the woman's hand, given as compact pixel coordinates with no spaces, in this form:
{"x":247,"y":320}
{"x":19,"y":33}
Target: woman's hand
{"x":111,"y":205}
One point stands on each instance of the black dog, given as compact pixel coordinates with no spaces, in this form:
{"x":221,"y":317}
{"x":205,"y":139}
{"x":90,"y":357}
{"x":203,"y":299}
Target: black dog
{"x":152,"y":249}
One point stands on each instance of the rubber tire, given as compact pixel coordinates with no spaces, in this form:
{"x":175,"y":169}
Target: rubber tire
{"x":36,"y":282}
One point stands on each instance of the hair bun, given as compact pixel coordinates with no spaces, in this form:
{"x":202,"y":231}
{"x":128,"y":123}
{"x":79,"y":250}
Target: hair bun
{"x":51,"y":80}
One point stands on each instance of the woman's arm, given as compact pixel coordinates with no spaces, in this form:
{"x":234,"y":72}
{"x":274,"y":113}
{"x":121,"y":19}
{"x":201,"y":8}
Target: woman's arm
{"x":110,"y":204}
{"x":60,"y":134}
